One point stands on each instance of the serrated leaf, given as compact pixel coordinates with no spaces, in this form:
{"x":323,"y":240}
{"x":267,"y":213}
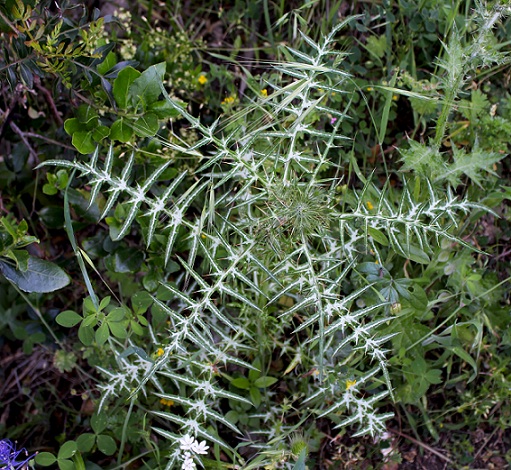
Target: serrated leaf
{"x":471,"y":164}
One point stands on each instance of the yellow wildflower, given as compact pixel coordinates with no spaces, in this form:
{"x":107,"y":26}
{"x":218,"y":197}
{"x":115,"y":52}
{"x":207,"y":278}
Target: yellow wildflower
{"x":159,"y":352}
{"x":202,"y":79}
{"x":264,"y":92}
{"x":350,"y":383}
{"x":369,"y":205}
{"x":369,"y":88}
{"x":395,"y":97}
{"x":228,"y":100}
{"x":166,"y":402}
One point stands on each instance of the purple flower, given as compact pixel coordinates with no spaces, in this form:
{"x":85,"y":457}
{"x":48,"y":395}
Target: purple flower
{"x":333,"y":121}
{"x":9,"y":456}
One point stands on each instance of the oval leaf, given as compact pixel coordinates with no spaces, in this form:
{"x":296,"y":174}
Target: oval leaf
{"x":67,"y":450}
{"x":241,"y":382}
{"x":121,"y":131}
{"x":45,"y":459}
{"x":41,"y":276}
{"x":106,"y":444}
{"x":147,"y":125}
{"x":122,"y":83}
{"x":85,"y":442}
{"x":68,"y":318}
{"x":265,"y":381}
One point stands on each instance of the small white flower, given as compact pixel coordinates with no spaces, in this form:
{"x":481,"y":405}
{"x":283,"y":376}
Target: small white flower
{"x":201,"y":448}
{"x":188,"y":463}
{"x":187,"y":442}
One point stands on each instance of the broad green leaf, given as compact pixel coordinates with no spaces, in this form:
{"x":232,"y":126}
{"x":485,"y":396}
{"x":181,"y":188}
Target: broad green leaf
{"x":147,"y":125}
{"x":106,"y":444}
{"x":378,"y":236}
{"x":147,"y":87}
{"x":118,"y":329}
{"x":67,"y":450}
{"x":121,"y":131}
{"x":416,"y":254}
{"x":107,"y":64}
{"x":163,"y":109}
{"x":141,"y":301}
{"x":66,"y":465}
{"x":86,"y":335}
{"x":122,"y":84}
{"x":50,"y":190}
{"x":90,"y":320}
{"x":85,"y":442}
{"x":72,"y":125}
{"x":45,"y":459}
{"x":87,"y":115}
{"x":241,"y":382}
{"x":102,"y":334}
{"x":117,"y":314}
{"x":255,"y":396}
{"x":82,"y":140}
{"x":265,"y":381}
{"x":232,"y":416}
{"x":21,"y":258}
{"x":125,"y":260}
{"x":98,"y":423}
{"x":68,"y":318}
{"x":100,"y":132}
{"x":105,"y":302}
{"x":137,"y":329}
{"x":41,"y":276}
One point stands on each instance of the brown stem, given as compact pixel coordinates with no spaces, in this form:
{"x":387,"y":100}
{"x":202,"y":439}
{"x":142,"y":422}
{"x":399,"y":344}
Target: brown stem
{"x":22,"y":136}
{"x":421,"y":444}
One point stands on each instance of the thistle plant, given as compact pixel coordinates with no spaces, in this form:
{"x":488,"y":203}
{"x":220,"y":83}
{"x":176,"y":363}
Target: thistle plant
{"x":279,"y":256}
